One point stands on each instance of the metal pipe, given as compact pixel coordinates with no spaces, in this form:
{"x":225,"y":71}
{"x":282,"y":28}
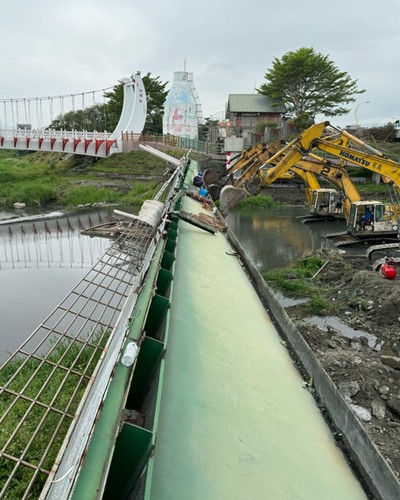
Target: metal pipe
{"x":160,"y":154}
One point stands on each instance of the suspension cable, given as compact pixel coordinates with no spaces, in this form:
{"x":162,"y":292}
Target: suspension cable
{"x":21,"y":99}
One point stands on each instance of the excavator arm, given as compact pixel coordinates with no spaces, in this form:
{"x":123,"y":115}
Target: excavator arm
{"x":290,"y":154}
{"x":273,"y":168}
{"x":378,"y":164}
{"x":310,"y":181}
{"x":332,"y":173}
{"x":242,"y":170}
{"x":254,"y":161}
{"x":247,"y":157}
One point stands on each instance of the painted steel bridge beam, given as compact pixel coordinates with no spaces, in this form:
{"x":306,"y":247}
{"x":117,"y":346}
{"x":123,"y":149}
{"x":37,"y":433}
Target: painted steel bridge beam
{"x":100,"y":144}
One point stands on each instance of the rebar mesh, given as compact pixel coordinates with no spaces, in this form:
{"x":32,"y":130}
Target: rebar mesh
{"x":44,"y":383}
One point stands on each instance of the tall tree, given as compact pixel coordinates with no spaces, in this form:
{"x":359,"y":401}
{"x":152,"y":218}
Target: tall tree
{"x":156,"y":95}
{"x":91,"y":118}
{"x":309,"y":83}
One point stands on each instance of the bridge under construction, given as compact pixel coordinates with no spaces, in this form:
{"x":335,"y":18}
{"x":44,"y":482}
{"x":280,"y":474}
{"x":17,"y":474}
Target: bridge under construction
{"x":210,"y":404}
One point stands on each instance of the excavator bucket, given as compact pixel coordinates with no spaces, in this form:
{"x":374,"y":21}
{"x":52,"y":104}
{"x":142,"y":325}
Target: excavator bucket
{"x":211,"y":176}
{"x":230,"y":197}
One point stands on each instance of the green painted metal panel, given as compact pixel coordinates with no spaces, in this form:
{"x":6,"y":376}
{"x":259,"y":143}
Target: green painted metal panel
{"x":170,"y":245}
{"x":173,"y":234}
{"x":167,"y":261}
{"x":235,"y":420}
{"x":163,"y":282}
{"x":158,"y":308}
{"x":131,"y":452}
{"x":150,"y":354}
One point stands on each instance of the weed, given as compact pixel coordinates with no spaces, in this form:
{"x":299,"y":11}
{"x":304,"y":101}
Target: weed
{"x":257,"y":201}
{"x":31,"y":192}
{"x":51,"y":397}
{"x":140,"y":192}
{"x":294,"y":281}
{"x":82,"y":195}
{"x":318,"y":305}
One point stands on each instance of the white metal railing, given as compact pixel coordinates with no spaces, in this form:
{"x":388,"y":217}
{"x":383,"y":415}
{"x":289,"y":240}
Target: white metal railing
{"x":56,"y":134}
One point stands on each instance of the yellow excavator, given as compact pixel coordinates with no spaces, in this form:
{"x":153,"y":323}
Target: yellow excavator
{"x":334,"y":202}
{"x":367,"y":220}
{"x":246,"y":177}
{"x":324,"y":202}
{"x":243,"y":170}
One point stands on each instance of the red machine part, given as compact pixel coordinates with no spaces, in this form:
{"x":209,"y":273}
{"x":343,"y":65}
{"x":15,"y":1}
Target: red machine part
{"x":388,"y":269}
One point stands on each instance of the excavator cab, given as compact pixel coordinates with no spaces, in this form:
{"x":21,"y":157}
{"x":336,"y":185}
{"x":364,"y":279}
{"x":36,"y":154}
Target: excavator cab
{"x":372,"y":217}
{"x":326,"y":201}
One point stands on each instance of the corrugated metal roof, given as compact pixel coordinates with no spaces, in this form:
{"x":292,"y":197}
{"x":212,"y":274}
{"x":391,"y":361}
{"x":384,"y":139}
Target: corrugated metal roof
{"x":253,"y":103}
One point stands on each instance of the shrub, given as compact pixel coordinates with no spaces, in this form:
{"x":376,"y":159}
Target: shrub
{"x":257,"y":201}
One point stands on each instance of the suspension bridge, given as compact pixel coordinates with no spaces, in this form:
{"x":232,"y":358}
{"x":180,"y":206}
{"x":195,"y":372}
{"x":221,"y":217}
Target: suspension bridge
{"x":25,"y":123}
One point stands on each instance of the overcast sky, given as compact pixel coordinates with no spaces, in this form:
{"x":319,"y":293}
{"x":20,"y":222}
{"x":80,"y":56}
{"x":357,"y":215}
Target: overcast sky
{"x":56,"y":48}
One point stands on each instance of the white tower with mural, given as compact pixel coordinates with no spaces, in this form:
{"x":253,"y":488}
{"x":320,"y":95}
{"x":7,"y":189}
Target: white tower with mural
{"x":182,"y":108}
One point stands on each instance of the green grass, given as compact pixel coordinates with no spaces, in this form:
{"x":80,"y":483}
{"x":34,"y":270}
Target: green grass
{"x":22,"y":180}
{"x":40,"y":424}
{"x":371,"y":188}
{"x":295,"y":281}
{"x":141,"y":191}
{"x":82,"y":195}
{"x":257,"y":201}
{"x":318,"y":305}
{"x":134,"y":163}
{"x":34,"y":193}
{"x":45,"y":180}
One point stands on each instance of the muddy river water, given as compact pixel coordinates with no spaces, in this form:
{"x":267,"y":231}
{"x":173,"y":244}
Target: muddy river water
{"x":42,"y":260}
{"x":274,"y":237}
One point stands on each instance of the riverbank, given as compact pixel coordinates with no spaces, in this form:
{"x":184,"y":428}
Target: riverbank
{"x":55,"y":182}
{"x":357,"y":343}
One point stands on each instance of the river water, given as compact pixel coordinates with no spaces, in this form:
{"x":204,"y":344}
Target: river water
{"x":42,"y":260}
{"x":275,"y":236}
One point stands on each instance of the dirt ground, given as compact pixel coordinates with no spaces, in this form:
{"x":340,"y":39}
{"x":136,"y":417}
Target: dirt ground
{"x":362,"y":352}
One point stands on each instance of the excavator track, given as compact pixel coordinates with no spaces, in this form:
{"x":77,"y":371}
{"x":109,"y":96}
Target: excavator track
{"x":377,"y":252}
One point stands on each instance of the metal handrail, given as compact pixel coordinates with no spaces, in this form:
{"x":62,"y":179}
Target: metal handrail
{"x":175,"y":141}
